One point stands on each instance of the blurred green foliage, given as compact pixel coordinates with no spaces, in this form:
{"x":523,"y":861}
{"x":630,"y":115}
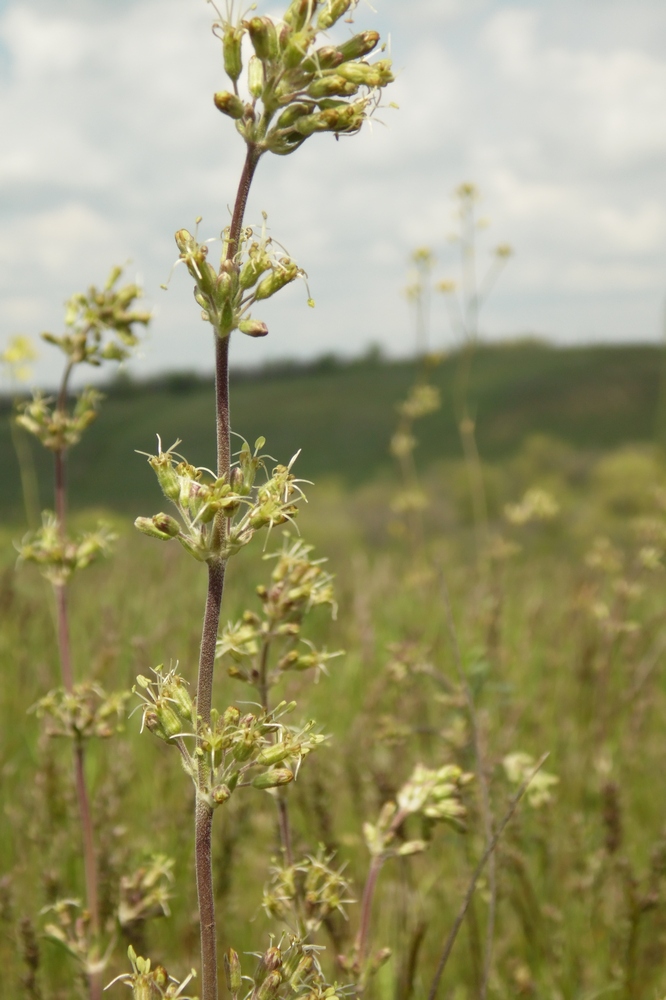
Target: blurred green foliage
{"x":342,"y":415}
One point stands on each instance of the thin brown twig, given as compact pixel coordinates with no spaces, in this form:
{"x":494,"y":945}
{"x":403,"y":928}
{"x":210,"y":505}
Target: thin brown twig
{"x":483,"y":784}
{"x":450,"y":941}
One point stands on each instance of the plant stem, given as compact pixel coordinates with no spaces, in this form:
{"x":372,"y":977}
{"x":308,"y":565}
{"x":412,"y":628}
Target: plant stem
{"x":450,"y":941}
{"x":203,"y":823}
{"x":486,"y":808}
{"x":67,"y":673}
{"x":366,"y":907}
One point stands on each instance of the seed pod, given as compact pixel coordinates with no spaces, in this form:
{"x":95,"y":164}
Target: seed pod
{"x":264,"y":38}
{"x":229,"y":104}
{"x":255,"y":77}
{"x":280,"y":276}
{"x":332,"y":86}
{"x":232,"y":972}
{"x":276,"y":753}
{"x":358,"y":46}
{"x":253,"y":327}
{"x":298,"y":14}
{"x":332,"y":12}
{"x":293,"y":112}
{"x":273,"y":778}
{"x":328,"y":57}
{"x":231,"y":51}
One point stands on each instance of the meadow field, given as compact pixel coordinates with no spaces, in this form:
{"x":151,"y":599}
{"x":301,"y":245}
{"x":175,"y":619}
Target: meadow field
{"x":485,"y":645}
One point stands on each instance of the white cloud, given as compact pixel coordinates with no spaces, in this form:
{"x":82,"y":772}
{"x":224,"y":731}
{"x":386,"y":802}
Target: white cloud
{"x":557,"y":112}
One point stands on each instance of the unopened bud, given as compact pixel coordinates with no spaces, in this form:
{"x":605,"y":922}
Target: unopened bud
{"x":332,"y":12}
{"x":293,"y":112}
{"x":332,"y":86}
{"x":220,"y":794}
{"x":269,"y":988}
{"x":298,"y":13}
{"x":327,"y":57}
{"x":270,"y":961}
{"x":253,"y":327}
{"x":255,"y":77}
{"x":229,"y":104}
{"x":276,"y":753}
{"x":231,"y":716}
{"x":358,"y":46}
{"x":231,"y":50}
{"x":280,"y":276}
{"x":232,"y":972}
{"x":273,"y":778}
{"x":160,"y":526}
{"x":263,"y":35}
{"x":367,"y":75}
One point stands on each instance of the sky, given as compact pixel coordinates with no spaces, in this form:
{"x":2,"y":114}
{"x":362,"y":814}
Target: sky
{"x":555,"y":109}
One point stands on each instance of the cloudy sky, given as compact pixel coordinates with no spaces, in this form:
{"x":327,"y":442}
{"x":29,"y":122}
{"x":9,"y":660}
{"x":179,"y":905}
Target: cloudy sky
{"x":556,"y":109}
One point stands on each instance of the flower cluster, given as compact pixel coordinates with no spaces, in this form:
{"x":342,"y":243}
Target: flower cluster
{"x":434,"y":794}
{"x":57,"y":555}
{"x":148,"y":983}
{"x":254,"y":272}
{"x":298,"y":584}
{"x":145,"y":893}
{"x":238,"y":750}
{"x":83,"y":712}
{"x":100,"y":323}
{"x":310,"y":887}
{"x":53,"y":425}
{"x":310,"y":89}
{"x":242,"y":504}
{"x":289,"y":970}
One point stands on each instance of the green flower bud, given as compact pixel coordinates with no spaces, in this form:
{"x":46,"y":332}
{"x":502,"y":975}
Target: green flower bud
{"x":273,"y":778}
{"x":327,"y":57}
{"x":342,"y":118}
{"x":220,"y":794}
{"x":365,"y":75}
{"x":293,"y":112}
{"x":253,"y":327}
{"x":231,"y":51}
{"x":255,"y":76}
{"x":244,"y":748}
{"x":176,"y":691}
{"x":296,"y":48}
{"x":264,"y":38}
{"x":229,"y":104}
{"x":298,"y":14}
{"x":231,"y":716}
{"x":332,"y":86}
{"x":280,"y":276}
{"x":269,"y":988}
{"x":276,"y":753}
{"x":163,"y":722}
{"x":232,"y":972}
{"x":358,"y":46}
{"x":160,"y":526}
{"x":332,"y":12}
{"x":185,"y":242}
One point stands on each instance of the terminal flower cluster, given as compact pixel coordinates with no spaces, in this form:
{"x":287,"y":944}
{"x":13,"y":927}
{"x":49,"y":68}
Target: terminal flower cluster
{"x":57,"y":555}
{"x":298,"y":584}
{"x":295,"y":87}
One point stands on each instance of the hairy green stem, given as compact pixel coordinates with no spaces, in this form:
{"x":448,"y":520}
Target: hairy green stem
{"x":203,"y":823}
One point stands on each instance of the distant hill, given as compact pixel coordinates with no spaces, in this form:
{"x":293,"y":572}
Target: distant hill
{"x":341,"y":414}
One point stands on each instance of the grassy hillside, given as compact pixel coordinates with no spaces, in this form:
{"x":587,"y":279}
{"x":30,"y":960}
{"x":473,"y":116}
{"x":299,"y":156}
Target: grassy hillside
{"x":342,"y":415}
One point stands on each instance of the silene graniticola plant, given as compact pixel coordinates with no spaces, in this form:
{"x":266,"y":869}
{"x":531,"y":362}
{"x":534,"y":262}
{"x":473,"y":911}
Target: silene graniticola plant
{"x":297,"y":82}
{"x":100,"y":327}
